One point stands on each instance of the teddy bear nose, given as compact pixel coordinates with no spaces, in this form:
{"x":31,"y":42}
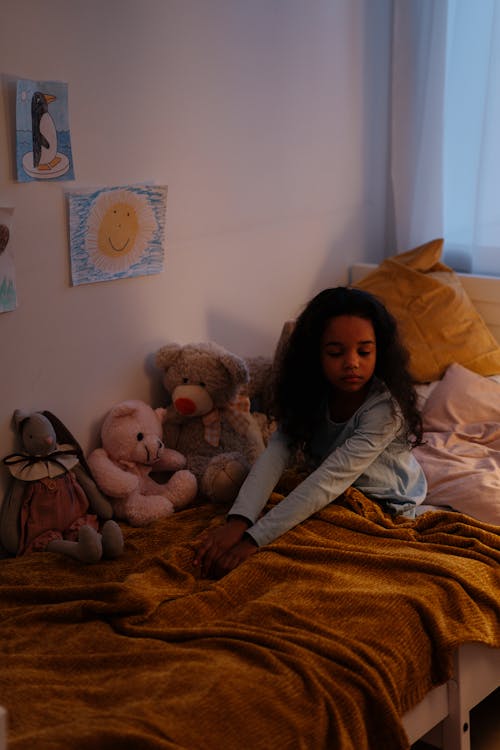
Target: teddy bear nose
{"x":185,"y":406}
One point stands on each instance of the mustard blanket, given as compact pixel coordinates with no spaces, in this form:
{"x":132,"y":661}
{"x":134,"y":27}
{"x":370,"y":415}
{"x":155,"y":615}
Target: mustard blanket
{"x":320,"y":640}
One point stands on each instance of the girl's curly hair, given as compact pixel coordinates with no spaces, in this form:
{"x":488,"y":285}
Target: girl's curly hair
{"x":300,"y":388}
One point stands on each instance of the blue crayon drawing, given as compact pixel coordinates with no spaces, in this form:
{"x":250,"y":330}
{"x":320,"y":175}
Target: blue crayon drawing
{"x":116,"y":232}
{"x":43,"y":142}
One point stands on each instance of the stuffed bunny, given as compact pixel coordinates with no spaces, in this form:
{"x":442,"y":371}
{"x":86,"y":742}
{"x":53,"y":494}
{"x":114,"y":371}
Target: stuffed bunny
{"x":53,"y":504}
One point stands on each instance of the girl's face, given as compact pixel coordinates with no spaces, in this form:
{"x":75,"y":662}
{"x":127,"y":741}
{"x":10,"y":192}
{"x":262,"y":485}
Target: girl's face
{"x":348,"y":353}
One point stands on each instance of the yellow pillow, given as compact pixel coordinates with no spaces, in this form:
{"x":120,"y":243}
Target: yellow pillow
{"x":438,"y":323}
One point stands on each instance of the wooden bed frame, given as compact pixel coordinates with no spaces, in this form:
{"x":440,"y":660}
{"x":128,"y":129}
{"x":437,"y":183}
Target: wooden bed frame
{"x":442,"y":718}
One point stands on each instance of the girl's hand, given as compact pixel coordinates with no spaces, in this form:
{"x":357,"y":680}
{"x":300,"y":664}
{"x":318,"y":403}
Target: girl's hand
{"x":215,"y":542}
{"x":230,"y":560}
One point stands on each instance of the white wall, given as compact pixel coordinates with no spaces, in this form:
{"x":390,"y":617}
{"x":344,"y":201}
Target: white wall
{"x":267,"y":119}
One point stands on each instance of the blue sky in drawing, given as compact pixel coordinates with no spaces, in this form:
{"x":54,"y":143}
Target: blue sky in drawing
{"x":87,"y":211}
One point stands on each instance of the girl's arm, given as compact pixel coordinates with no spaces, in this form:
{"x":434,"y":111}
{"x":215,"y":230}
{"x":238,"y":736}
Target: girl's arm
{"x":262,"y":479}
{"x":376,"y":430}
{"x":252,"y":497}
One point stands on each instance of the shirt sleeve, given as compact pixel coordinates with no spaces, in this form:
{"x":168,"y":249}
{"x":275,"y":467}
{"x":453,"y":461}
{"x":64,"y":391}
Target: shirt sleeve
{"x":376,"y":429}
{"x":262,"y":478}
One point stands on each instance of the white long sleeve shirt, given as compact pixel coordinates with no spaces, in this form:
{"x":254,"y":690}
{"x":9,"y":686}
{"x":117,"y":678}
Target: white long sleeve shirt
{"x":368,"y":451}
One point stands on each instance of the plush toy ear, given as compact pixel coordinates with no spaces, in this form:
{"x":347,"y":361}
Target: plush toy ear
{"x":160,"y":413}
{"x":64,"y":436}
{"x":123,"y":409}
{"x":235,"y":366}
{"x":166,"y":356}
{"x":18,"y":417}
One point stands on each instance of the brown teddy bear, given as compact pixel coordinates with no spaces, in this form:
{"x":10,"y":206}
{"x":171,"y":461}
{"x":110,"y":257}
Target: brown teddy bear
{"x":208,"y":421}
{"x":259,"y":391}
{"x":262,"y":378}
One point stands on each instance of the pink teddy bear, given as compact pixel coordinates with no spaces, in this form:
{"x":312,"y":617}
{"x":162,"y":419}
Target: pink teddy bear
{"x":132,"y":446}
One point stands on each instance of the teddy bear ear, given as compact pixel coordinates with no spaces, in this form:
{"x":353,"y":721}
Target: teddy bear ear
{"x":160,"y":413}
{"x":166,"y":356}
{"x":235,"y":366}
{"x":123,"y":409}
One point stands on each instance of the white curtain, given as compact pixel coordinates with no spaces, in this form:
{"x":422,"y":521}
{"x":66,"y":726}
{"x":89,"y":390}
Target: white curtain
{"x":472,"y":136}
{"x":446,"y":128}
{"x":418,"y":73}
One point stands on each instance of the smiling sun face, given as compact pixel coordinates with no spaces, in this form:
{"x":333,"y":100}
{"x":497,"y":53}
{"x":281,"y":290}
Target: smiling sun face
{"x":118,"y":229}
{"x":121,"y":224}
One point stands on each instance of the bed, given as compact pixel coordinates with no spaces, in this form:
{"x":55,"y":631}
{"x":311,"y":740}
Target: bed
{"x":443,"y":717}
{"x":354,"y":631}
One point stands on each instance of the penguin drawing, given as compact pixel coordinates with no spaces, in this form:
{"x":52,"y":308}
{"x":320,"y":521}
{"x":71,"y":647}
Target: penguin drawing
{"x":44,"y":132}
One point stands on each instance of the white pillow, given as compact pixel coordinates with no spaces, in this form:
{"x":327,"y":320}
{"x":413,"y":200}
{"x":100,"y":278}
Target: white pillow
{"x":424,"y":390}
{"x":461,"y":453}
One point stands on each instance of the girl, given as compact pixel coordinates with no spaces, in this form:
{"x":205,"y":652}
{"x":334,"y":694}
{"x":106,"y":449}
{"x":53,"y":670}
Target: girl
{"x":344,"y":396}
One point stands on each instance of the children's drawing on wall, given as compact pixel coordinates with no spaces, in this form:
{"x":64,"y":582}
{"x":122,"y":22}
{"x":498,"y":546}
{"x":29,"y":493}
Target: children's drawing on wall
{"x":8,"y":296}
{"x":43,"y":149}
{"x":116,"y":232}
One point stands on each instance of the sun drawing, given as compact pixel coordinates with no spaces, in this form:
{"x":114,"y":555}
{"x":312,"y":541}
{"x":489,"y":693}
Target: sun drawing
{"x":120,"y":227}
